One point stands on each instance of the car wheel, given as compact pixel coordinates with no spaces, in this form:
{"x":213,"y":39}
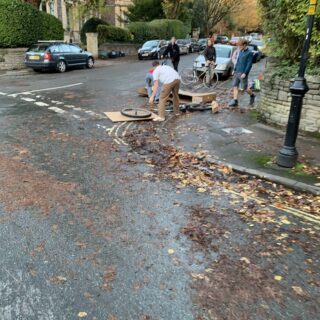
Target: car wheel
{"x":90,"y":63}
{"x":139,"y":57}
{"x":61,"y":66}
{"x":37,"y":70}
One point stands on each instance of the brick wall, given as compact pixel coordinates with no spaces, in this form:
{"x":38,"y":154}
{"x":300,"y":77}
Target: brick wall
{"x":276,"y":98}
{"x":12,"y":59}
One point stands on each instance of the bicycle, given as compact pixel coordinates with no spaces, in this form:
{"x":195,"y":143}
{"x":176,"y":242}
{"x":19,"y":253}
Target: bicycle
{"x":209,"y":76}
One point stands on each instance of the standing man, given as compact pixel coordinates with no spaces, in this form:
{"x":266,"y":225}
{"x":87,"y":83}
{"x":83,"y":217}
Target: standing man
{"x":174,"y":52}
{"x":211,"y":57}
{"x":170,"y":81}
{"x":241,"y":73}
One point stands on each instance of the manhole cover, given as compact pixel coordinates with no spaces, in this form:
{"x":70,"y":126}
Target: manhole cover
{"x":236,"y":131}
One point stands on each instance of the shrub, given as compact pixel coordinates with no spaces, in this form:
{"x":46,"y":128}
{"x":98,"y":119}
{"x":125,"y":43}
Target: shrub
{"x":20,"y":24}
{"x":284,"y":22}
{"x":158,"y":29}
{"x":166,"y":28}
{"x":112,"y":34}
{"x":51,"y":27}
{"x":90,"y":25}
{"x":142,"y":31}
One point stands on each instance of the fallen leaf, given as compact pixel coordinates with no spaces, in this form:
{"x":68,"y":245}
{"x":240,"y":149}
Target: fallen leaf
{"x":170,"y":251}
{"x":198,"y":276}
{"x":58,"y":279}
{"x":82,"y":314}
{"x":284,"y":220}
{"x":298,"y":291}
{"x":201,"y":190}
{"x":278,"y":278}
{"x":246,"y":260}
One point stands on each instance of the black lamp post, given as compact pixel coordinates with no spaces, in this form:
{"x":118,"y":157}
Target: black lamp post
{"x":288,"y":154}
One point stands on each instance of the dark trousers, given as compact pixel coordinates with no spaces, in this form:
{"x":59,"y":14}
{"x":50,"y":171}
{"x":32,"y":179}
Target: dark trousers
{"x":175,"y":64}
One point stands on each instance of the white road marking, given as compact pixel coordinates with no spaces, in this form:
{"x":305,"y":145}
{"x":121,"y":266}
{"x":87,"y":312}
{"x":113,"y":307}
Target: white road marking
{"x":3,"y":94}
{"x":126,"y":129}
{"x":111,"y":130}
{"x":69,"y":106}
{"x":56,"y":109}
{"x":41,"y":104}
{"x":121,"y":125}
{"x":49,"y":89}
{"x":28,"y":99}
{"x":56,"y":102}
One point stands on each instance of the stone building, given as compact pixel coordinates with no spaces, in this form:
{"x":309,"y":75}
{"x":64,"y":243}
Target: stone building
{"x":72,"y":20}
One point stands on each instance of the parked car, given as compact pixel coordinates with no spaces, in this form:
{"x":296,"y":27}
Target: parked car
{"x":222,"y":39}
{"x":152,"y":49}
{"x":57,"y":56}
{"x":193,"y":45}
{"x":256,"y":52}
{"x":182,"y":43}
{"x":202,"y":43}
{"x":234,"y":41}
{"x":224,"y":60}
{"x":261,"y":46}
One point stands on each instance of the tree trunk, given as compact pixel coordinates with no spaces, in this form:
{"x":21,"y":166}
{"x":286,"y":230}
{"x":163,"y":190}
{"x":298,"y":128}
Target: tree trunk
{"x":35,"y":3}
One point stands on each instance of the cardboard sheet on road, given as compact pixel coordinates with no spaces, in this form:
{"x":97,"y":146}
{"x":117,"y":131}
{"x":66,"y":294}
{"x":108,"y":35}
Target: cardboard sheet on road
{"x":116,"y":116}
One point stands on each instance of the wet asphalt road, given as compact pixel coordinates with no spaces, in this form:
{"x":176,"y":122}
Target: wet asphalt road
{"x":89,"y":228}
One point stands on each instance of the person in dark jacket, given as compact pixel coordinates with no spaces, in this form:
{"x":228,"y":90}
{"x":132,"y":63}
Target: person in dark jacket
{"x":241,"y":73}
{"x":174,"y":51}
{"x":211,"y":57}
{"x":210,"y":53}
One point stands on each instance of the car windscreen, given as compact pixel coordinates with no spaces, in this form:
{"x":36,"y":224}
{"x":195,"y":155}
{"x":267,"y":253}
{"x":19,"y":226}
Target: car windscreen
{"x":223,"y":52}
{"x":38,"y":48}
{"x":150,"y":44}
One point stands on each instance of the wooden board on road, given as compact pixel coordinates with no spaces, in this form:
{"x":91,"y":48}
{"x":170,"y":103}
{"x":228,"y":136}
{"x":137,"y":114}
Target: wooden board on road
{"x":187,"y":96}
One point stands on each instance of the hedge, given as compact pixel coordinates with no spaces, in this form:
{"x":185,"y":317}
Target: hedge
{"x":112,"y":34}
{"x":158,"y":29}
{"x":285,"y":22}
{"x":90,"y":25}
{"x":21,"y":24}
{"x":51,"y":27}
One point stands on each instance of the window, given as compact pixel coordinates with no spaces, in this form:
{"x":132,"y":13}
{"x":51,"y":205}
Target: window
{"x":75,"y":49}
{"x":54,"y":49}
{"x":64,"y":48}
{"x":38,"y":48}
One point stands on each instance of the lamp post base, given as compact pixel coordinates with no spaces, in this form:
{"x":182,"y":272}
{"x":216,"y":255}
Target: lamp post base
{"x":287,"y":157}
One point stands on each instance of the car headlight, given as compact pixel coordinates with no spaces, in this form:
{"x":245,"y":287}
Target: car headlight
{"x":139,"y":50}
{"x":222,"y":66}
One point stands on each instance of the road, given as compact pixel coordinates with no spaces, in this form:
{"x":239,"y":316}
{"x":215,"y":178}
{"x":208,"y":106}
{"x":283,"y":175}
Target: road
{"x":103,"y":221}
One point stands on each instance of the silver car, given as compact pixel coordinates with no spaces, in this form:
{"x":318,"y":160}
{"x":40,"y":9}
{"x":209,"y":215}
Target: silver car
{"x":182,"y":43}
{"x":224,"y":60}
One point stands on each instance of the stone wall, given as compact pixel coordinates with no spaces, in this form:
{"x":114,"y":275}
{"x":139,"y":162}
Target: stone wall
{"x":276,"y":99}
{"x":128,"y":48}
{"x":12,"y":59}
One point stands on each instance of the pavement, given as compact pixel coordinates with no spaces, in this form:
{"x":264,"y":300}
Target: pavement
{"x":135,"y":220}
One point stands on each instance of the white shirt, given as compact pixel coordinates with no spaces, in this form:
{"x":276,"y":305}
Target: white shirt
{"x":165,"y":74}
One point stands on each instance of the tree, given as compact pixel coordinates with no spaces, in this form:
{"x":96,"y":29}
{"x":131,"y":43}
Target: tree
{"x":145,"y":10}
{"x":178,"y":9}
{"x":246,"y":17}
{"x":284,"y":22}
{"x":35,"y":3}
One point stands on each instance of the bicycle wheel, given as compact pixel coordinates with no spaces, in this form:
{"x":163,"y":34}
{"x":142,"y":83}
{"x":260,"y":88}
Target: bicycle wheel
{"x":188,"y":76}
{"x":210,"y":81}
{"x":136,"y":113}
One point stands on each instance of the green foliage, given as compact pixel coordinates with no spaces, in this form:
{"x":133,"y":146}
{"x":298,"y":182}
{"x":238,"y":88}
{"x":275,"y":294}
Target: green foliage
{"x":21,"y":24}
{"x":112,"y":34}
{"x":166,"y":28}
{"x":51,"y":27}
{"x":145,"y":10}
{"x":142,"y":31}
{"x":158,"y":29}
{"x":90,"y":25}
{"x":284,"y":21}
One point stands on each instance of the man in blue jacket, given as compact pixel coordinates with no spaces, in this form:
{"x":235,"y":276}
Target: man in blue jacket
{"x":241,"y":73}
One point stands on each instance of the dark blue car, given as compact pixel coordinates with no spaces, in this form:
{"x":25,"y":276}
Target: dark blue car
{"x":57,"y":56}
